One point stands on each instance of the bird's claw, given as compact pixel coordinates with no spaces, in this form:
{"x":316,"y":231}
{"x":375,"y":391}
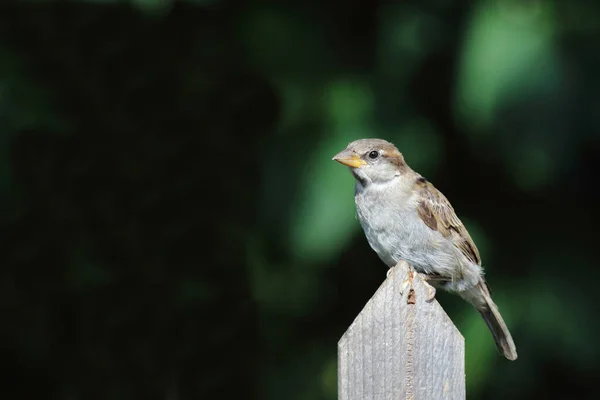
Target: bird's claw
{"x":407,"y":286}
{"x":430,"y":290}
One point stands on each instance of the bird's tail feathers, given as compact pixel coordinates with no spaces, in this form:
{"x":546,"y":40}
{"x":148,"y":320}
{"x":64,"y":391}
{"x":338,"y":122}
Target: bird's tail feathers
{"x":480,"y":297}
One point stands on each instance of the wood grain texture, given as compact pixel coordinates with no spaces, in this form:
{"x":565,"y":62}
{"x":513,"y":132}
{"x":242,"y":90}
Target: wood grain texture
{"x":401,"y":347}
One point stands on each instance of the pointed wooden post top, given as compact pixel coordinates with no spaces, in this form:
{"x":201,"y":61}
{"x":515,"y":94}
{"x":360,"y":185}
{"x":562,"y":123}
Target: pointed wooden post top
{"x":401,"y":346}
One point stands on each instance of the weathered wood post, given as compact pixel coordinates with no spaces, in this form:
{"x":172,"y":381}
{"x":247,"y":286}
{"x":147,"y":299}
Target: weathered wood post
{"x":401,"y":346}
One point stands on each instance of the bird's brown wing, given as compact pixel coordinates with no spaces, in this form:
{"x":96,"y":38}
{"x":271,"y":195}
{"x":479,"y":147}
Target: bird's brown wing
{"x":437,"y":213}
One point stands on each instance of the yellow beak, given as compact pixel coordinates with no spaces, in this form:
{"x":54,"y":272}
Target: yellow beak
{"x":349,"y":158}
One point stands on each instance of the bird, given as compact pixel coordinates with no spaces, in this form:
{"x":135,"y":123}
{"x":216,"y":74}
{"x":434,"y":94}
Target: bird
{"x":405,"y":218}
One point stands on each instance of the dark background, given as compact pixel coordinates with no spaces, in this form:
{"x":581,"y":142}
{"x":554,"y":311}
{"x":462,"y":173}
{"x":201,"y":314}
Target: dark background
{"x":173,"y":226}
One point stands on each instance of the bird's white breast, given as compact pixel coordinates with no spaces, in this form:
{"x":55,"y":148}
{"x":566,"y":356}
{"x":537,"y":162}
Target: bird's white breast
{"x":394,"y":229}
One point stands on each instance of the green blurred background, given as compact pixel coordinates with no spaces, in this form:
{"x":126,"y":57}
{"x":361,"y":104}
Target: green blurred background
{"x":173,"y":226}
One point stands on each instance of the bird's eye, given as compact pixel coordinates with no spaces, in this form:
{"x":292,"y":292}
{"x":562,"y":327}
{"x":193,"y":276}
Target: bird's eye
{"x":373,"y":155}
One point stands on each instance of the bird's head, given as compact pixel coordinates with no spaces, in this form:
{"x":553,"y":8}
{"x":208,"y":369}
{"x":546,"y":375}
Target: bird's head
{"x":372,"y":160}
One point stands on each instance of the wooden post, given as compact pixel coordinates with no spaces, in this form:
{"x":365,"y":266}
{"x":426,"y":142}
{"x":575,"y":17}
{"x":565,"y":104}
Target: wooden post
{"x":401,"y":346}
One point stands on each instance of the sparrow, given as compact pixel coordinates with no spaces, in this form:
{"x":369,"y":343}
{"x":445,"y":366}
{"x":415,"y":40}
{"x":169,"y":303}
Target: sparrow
{"x":404,"y":217}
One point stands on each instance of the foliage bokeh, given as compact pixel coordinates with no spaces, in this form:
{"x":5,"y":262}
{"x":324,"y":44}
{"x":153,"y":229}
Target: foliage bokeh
{"x":173,"y":225}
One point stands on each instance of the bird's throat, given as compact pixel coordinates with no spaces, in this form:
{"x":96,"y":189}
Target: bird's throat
{"x":360,"y":178}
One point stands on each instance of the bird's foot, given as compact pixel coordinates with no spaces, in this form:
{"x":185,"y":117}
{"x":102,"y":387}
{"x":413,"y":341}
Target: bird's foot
{"x":431,"y":291}
{"x":407,"y":287}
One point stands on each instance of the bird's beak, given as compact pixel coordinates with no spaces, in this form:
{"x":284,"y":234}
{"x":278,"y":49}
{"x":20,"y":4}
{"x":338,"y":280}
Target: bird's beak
{"x":349,"y":158}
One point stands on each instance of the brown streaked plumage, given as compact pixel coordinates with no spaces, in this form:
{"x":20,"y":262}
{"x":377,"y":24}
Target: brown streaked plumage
{"x":436,"y":211}
{"x":405,"y":217}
